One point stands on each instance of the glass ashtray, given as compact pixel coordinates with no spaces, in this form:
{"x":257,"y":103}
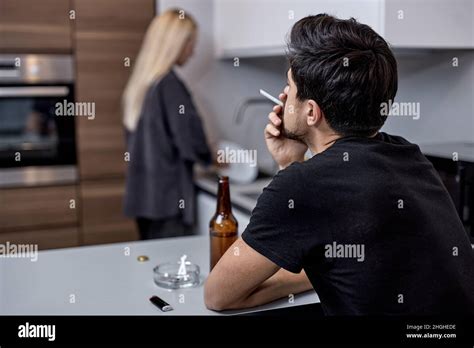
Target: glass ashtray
{"x":174,"y":275}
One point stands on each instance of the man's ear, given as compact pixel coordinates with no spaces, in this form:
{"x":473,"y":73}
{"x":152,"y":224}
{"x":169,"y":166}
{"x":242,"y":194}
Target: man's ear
{"x":314,"y":114}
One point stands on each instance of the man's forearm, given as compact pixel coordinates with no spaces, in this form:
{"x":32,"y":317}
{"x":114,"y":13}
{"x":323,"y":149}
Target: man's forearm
{"x":281,"y":284}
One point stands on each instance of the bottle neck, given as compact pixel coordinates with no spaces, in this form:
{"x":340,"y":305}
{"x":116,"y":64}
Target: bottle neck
{"x":223,"y":197}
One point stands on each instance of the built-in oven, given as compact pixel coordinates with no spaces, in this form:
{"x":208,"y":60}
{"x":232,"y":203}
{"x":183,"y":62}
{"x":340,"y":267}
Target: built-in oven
{"x":37,"y":139}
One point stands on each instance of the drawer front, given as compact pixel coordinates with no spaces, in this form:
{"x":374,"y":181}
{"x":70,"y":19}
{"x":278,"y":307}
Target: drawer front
{"x":38,"y":207}
{"x":103,"y":220}
{"x":35,"y":26}
{"x":50,"y":238}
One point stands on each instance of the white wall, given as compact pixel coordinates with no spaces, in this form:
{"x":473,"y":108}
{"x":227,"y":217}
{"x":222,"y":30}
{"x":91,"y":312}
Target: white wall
{"x":445,"y":93}
{"x":218,"y":87}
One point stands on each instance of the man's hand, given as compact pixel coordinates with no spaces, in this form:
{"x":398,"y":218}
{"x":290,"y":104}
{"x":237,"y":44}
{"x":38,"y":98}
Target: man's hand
{"x":283,"y":150}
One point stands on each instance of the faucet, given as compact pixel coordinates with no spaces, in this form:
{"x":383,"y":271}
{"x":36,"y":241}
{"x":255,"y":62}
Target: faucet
{"x":242,"y":107}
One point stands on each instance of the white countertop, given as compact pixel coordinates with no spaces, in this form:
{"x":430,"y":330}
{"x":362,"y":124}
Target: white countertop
{"x":464,"y":150}
{"x":104,"y":280}
{"x":238,"y":192}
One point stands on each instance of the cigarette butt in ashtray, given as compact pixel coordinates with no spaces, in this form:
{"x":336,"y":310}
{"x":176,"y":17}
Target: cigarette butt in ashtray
{"x":272,"y":98}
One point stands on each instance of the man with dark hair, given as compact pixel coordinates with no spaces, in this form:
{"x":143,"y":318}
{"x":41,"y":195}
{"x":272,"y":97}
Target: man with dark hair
{"x":366,"y":221}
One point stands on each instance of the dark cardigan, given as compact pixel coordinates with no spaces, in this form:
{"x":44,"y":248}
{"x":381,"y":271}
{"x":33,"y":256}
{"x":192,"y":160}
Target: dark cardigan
{"x":168,"y":140}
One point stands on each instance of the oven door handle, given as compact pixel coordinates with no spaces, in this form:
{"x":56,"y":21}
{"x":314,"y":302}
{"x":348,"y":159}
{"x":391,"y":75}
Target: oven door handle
{"x":46,"y":91}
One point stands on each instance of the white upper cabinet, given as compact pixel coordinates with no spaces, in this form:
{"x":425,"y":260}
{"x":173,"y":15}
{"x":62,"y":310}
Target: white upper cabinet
{"x":246,"y":28}
{"x":430,"y":23}
{"x":260,"y":27}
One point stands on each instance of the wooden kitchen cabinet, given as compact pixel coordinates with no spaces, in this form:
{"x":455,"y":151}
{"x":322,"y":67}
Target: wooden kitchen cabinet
{"x":48,"y":238}
{"x":101,"y":79}
{"x":107,"y":34}
{"x":114,"y":16}
{"x":46,"y":216}
{"x":38,"y":207}
{"x":32,"y":26}
{"x":104,"y":36}
{"x":102,"y":213}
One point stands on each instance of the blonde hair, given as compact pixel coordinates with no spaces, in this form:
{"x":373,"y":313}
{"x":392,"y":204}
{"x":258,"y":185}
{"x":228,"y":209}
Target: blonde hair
{"x":165,"y":38}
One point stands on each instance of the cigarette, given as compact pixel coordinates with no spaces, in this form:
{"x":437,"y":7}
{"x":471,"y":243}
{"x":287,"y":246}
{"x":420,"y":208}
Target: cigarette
{"x":272,"y":98}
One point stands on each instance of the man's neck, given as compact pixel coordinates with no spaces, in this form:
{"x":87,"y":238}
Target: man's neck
{"x":321,"y":142}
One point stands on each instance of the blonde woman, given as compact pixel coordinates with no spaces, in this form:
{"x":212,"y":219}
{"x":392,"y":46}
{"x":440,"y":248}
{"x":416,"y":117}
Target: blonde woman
{"x":165,"y":136}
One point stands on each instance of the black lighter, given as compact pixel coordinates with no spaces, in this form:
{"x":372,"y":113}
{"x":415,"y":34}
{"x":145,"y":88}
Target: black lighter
{"x":162,"y":305}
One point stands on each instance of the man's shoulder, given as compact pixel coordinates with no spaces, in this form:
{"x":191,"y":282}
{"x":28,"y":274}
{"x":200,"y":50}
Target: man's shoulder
{"x":346,"y":155}
{"x":286,"y":181}
{"x":344,"y":149}
{"x":300,"y":172}
{"x":325,"y":161}
{"x":295,"y":181}
{"x":290,"y":173}
{"x":393,"y":139}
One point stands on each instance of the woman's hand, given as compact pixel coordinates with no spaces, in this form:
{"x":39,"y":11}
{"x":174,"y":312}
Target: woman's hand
{"x":283,"y":150}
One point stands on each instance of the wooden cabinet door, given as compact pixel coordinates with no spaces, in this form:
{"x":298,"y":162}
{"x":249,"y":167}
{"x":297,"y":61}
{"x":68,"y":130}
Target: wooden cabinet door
{"x":108,"y":33}
{"x":102,"y":213}
{"x":35,"y":26}
{"x":49,"y":238}
{"x":38,"y":207}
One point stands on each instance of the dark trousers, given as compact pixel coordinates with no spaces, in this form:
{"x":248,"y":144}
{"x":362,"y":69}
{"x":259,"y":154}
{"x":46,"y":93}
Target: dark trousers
{"x":153,"y":229}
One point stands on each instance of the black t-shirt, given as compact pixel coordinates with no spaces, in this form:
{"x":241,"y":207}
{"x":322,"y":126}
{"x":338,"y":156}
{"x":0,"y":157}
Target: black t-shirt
{"x":372,"y":225}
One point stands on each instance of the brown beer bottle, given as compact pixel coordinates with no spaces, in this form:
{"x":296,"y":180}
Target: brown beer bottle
{"x":223,"y":226}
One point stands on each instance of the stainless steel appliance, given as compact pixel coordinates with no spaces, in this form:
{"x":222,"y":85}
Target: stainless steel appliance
{"x":37,"y":145}
{"x":455,"y":165}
